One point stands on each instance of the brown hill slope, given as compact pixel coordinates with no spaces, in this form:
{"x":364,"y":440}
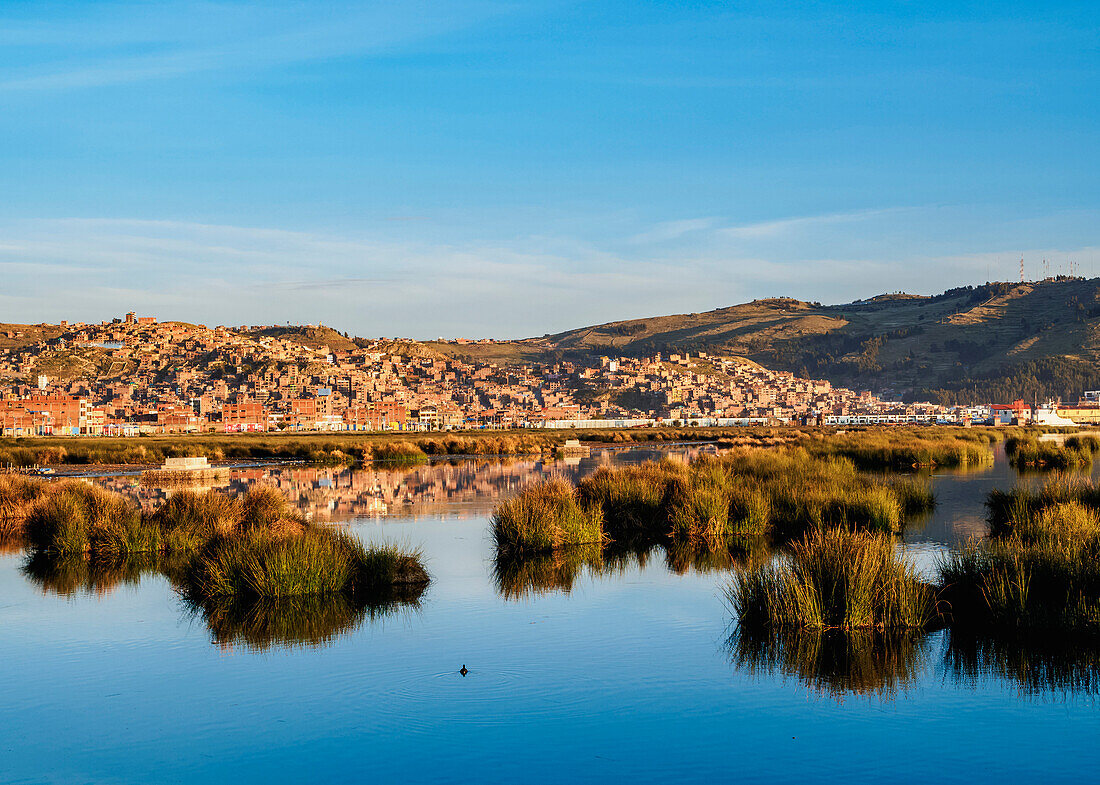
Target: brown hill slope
{"x":312,"y":337}
{"x":997,"y":340}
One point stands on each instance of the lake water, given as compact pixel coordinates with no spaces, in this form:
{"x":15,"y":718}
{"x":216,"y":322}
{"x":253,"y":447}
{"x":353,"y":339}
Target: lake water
{"x":577,"y":672}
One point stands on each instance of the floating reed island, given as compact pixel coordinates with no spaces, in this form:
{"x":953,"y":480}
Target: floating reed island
{"x":706,"y":503}
{"x":219,"y":546}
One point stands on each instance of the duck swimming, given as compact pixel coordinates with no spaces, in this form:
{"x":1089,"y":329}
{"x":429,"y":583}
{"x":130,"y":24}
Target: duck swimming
{"x":463,"y":670}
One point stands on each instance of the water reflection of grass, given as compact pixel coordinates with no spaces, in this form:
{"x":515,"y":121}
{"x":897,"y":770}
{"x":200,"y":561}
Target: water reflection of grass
{"x":255,"y":622}
{"x":517,"y":577}
{"x":682,"y":559}
{"x":882,"y":663}
{"x":311,"y":621}
{"x":1039,"y":664}
{"x":73,"y":574}
{"x":833,"y":662}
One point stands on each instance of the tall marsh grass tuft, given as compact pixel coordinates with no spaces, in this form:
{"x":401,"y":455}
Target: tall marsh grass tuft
{"x":631,"y":498}
{"x":1030,"y":581}
{"x":834,"y":580}
{"x":1028,"y":452}
{"x":315,"y":561}
{"x":709,"y":502}
{"x":18,"y":495}
{"x":79,"y":518}
{"x":548,"y":514}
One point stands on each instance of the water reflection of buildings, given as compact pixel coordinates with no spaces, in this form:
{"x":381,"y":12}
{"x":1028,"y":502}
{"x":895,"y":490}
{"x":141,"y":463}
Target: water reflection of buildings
{"x":460,"y":487}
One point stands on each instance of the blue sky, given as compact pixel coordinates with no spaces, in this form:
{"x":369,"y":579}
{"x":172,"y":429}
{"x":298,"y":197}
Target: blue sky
{"x":515,"y":168}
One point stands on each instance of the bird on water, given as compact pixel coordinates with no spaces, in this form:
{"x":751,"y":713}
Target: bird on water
{"x":463,"y":670}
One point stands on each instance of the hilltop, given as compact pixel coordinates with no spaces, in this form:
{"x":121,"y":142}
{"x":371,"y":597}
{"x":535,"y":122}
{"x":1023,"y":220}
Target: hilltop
{"x":311,"y":337}
{"x":995,"y":341}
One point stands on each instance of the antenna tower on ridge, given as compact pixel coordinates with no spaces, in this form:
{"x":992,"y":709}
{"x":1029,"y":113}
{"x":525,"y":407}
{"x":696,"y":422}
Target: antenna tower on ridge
{"x":1021,"y":269}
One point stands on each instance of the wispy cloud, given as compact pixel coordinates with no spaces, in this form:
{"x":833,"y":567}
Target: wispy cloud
{"x":673,"y":230}
{"x":399,"y":283}
{"x":335,"y":284}
{"x":781,"y":226}
{"x":118,"y":46}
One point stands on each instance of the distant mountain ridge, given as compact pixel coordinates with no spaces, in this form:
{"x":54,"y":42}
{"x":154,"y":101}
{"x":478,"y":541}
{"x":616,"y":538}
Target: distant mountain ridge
{"x":997,"y":340}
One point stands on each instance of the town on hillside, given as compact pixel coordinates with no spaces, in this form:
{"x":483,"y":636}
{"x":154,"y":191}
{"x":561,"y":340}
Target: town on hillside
{"x":135,"y":375}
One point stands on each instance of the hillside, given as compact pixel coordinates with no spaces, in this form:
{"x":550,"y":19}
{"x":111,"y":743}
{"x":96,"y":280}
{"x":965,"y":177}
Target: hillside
{"x":16,"y":336}
{"x":993,"y":342}
{"x":999,"y":340}
{"x":312,"y":337}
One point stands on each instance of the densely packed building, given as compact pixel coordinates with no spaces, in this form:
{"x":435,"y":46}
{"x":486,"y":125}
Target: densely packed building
{"x":136,"y":375}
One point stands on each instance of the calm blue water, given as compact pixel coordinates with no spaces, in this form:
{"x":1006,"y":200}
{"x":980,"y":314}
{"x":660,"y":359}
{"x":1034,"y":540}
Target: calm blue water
{"x":627,"y":676}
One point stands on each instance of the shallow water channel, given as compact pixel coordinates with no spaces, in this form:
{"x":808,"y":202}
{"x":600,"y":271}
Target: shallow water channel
{"x":584,"y":670}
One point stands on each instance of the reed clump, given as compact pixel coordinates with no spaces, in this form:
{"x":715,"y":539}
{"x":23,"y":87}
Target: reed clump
{"x":631,"y":498}
{"x":914,"y":494}
{"x":1028,"y":452}
{"x":255,"y":545}
{"x":1007,"y":508}
{"x":698,"y":504}
{"x":1040,"y":568}
{"x":189,"y":519}
{"x":1049,"y":584}
{"x":835,"y":580}
{"x":18,"y":495}
{"x":316,"y":561}
{"x":548,"y":514}
{"x":806,"y":492}
{"x":709,"y":502}
{"x":399,"y":452}
{"x":907,"y":448}
{"x":79,"y":518}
